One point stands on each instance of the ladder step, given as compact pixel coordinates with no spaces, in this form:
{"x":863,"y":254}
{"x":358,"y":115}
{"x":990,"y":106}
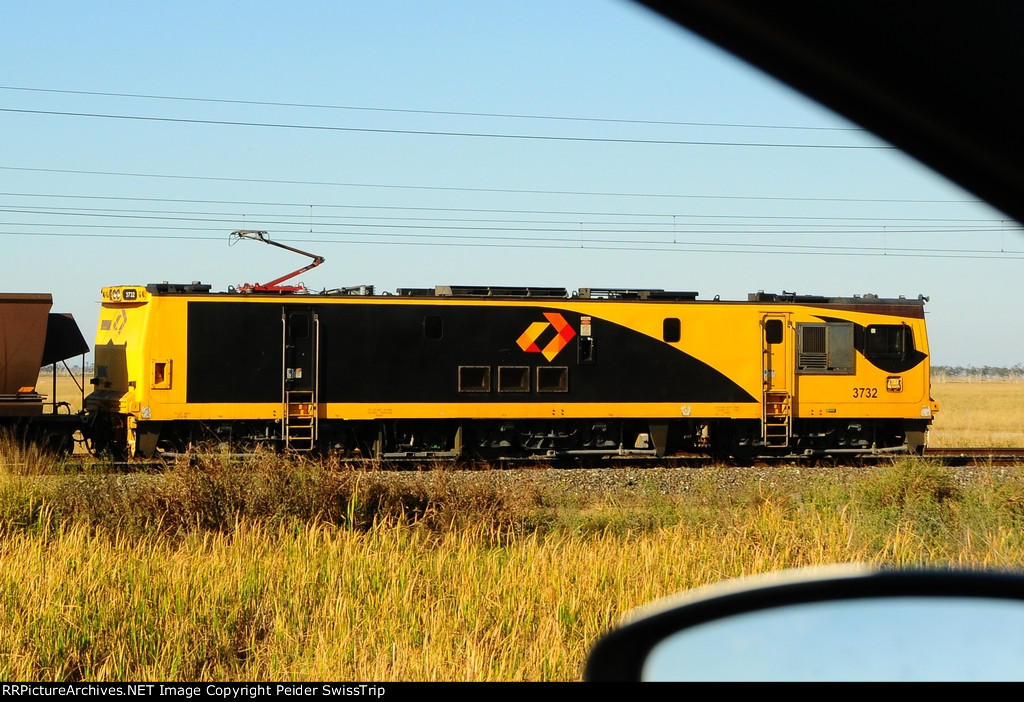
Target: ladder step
{"x":778,"y":412}
{"x":300,"y":414}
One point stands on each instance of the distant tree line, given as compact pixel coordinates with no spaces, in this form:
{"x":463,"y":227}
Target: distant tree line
{"x":76,"y":369}
{"x":972,"y":373}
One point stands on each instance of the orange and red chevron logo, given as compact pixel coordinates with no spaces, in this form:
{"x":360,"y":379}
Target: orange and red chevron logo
{"x":564,"y":333}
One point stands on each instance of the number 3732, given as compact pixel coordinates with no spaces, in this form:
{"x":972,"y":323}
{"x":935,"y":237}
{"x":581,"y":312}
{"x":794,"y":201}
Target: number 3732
{"x":865,"y":392}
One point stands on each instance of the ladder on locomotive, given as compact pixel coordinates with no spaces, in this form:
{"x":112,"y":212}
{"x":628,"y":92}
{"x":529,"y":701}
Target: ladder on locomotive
{"x":776,"y":420}
{"x":776,"y":400}
{"x":300,"y":381}
{"x":300,"y":420}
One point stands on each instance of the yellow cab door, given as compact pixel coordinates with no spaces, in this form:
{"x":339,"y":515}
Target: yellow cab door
{"x":776,"y":380}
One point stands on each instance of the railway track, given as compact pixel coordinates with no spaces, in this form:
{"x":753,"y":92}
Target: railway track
{"x":978,"y":455}
{"x":954,"y":457}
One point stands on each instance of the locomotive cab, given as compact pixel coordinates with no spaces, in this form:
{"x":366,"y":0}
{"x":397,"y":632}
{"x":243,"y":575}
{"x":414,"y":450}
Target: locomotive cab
{"x":851,"y":383}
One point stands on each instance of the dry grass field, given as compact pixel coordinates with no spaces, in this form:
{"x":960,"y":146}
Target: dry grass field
{"x":978,"y":414}
{"x":275,"y":568}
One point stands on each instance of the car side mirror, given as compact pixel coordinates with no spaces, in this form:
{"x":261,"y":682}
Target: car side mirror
{"x":849,"y":623}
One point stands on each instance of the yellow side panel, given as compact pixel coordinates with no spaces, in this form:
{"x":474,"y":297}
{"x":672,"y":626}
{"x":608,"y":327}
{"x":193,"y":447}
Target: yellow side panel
{"x":478,"y":410}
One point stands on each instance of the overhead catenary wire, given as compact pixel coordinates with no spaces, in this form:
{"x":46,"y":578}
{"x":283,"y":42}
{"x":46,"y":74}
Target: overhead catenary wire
{"x":749,"y":223}
{"x":615,"y":232}
{"x":548,"y":242}
{"x":1007,"y":226}
{"x":521,"y":226}
{"x":518,"y":191}
{"x":445,"y":113}
{"x":440,"y":133}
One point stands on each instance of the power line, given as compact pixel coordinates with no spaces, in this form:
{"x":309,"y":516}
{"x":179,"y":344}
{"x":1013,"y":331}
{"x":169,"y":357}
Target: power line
{"x":446,"y":113}
{"x":300,"y":228}
{"x":836,"y":225}
{"x":572,"y":213}
{"x":424,"y":132}
{"x":574,"y":244}
{"x":514,"y":191}
{"x":498,"y":236}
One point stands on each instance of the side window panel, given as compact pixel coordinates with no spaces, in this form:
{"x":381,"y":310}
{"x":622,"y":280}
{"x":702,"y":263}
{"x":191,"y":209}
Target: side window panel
{"x":298,"y":326}
{"x":825,"y":348}
{"x":671,"y":330}
{"x":513,"y":379}
{"x":888,"y":341}
{"x":474,"y":379}
{"x":552,"y":379}
{"x":433,"y":326}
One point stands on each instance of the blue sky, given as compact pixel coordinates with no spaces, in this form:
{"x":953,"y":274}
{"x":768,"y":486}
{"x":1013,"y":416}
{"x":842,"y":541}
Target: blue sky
{"x":611,"y":149}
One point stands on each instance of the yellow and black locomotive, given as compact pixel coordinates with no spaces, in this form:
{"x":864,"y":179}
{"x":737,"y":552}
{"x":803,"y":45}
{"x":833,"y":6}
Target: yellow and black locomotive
{"x":506,"y":373}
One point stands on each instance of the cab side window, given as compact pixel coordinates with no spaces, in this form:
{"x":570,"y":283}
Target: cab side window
{"x":888,"y":341}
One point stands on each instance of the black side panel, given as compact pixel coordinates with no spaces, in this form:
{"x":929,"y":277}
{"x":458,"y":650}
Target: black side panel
{"x":380,"y":353}
{"x":234,"y":352}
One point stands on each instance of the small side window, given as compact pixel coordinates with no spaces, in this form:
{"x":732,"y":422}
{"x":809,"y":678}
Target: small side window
{"x":888,"y":341}
{"x":773,"y":331}
{"x":161,"y":376}
{"x":552,"y":379}
{"x":671,"y":330}
{"x":474,"y":378}
{"x":513,"y":379}
{"x":585,"y":350}
{"x":433,"y":326}
{"x":298,"y":326}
